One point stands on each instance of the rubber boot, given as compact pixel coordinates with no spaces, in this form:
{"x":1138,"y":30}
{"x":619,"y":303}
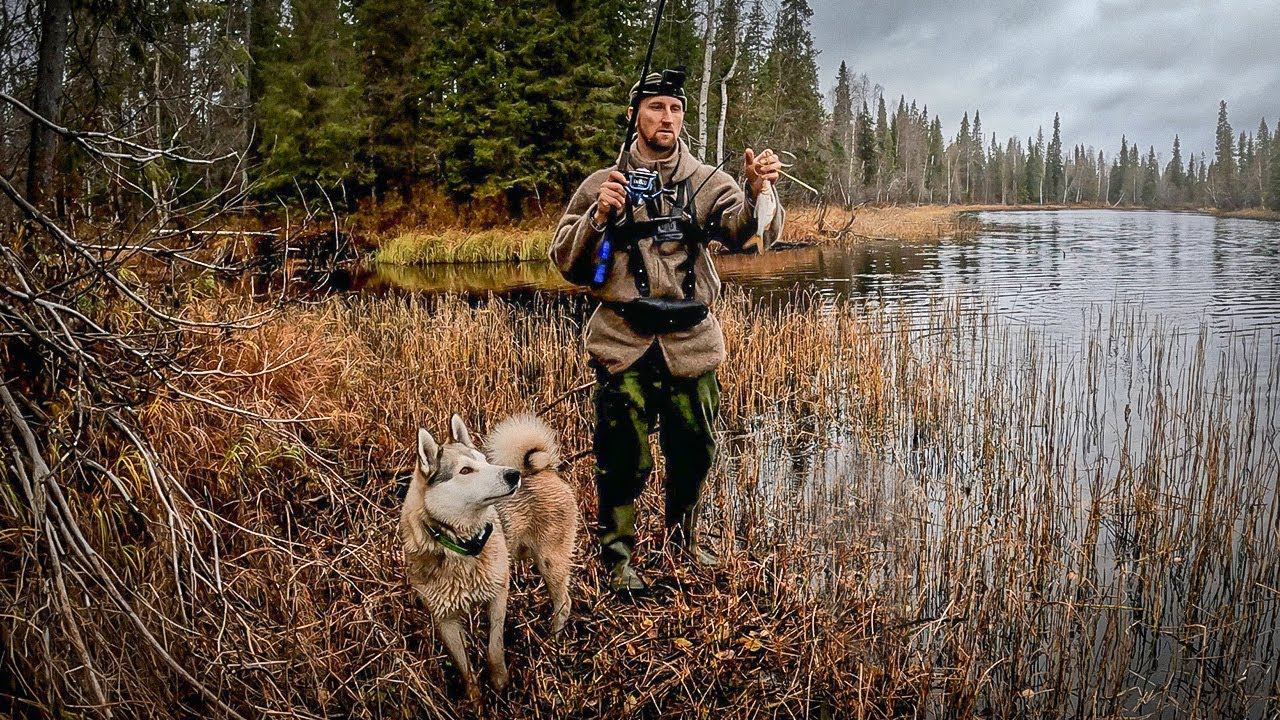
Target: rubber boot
{"x":616,"y":543}
{"x":683,"y":536}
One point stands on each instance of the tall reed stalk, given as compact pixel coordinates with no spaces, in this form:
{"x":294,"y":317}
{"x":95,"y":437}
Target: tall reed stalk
{"x":923,"y":510}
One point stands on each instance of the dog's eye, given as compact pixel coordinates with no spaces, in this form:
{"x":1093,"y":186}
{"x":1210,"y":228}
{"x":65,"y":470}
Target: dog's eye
{"x":465,"y":471}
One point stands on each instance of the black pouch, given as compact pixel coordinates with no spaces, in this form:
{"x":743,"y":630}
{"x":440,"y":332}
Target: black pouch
{"x":656,"y":316}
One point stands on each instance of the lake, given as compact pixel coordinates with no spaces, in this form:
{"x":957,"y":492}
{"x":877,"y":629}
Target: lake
{"x":1043,"y":268}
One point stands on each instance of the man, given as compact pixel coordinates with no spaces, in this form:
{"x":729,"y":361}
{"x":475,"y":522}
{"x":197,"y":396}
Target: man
{"x":653,"y":340}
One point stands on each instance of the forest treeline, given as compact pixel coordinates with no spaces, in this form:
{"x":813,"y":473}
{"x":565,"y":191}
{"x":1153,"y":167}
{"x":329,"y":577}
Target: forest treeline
{"x":508,"y":105}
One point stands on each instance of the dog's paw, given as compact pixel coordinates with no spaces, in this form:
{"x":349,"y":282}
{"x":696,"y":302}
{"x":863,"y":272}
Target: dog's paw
{"x":474,"y":698}
{"x":498,"y":678}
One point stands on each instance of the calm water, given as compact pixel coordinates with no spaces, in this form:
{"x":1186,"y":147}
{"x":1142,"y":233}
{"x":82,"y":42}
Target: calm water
{"x":1042,"y":268}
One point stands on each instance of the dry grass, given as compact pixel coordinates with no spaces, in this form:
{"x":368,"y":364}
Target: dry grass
{"x":453,"y":245}
{"x":923,"y":512}
{"x":1256,"y":213}
{"x":892,"y":222}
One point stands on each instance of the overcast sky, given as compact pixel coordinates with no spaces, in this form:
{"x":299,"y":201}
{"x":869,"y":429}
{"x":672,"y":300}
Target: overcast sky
{"x":1146,"y":68}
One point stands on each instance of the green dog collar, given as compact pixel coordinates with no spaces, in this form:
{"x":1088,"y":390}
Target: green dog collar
{"x":469,"y":547}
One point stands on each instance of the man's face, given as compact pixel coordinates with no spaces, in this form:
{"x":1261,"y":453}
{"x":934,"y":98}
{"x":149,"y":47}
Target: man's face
{"x":660,"y":121}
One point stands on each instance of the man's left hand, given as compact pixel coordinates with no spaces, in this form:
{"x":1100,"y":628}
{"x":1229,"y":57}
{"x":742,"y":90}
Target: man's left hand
{"x":762,"y":168}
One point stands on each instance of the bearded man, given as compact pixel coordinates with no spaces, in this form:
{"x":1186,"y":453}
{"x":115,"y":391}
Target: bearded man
{"x":654,"y":340}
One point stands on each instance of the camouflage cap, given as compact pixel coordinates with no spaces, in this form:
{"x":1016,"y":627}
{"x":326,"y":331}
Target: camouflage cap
{"x":667,"y":82}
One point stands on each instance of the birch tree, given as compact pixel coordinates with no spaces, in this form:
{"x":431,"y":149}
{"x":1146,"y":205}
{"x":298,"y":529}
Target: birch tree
{"x":708,"y":52}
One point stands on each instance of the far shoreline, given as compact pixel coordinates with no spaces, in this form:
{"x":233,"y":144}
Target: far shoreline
{"x":806,"y":225}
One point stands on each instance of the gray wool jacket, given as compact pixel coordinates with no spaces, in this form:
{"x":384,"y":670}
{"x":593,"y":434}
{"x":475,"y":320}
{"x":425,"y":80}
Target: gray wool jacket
{"x":721,"y":206}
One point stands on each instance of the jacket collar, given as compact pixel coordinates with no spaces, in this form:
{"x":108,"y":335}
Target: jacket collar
{"x":674,"y":168}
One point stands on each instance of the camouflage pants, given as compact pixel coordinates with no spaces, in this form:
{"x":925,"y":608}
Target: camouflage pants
{"x":627,"y":407}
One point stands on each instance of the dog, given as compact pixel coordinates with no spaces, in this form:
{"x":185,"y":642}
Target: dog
{"x":467,"y":515}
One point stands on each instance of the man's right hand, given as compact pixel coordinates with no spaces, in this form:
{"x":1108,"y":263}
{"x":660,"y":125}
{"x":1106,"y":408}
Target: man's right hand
{"x":612,"y":198}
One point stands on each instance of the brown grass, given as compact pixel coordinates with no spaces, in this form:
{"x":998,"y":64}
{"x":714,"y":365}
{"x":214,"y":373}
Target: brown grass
{"x":892,"y":222}
{"x":918,"y":514}
{"x":1246,"y":213}
{"x":454,"y":245}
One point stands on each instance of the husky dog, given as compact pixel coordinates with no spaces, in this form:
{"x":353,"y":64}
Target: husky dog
{"x":467,"y":515}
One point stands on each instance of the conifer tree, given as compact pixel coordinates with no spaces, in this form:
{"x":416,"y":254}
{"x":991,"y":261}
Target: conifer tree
{"x":1053,"y":163}
{"x":1150,"y":177}
{"x":842,"y":127}
{"x":866,"y":143}
{"x":392,"y":37}
{"x":1223,"y":171}
{"x":749,"y":114}
{"x":1273,"y":185}
{"x":1120,"y":173}
{"x":1174,"y":173}
{"x":975,"y":162}
{"x":882,"y":142}
{"x":937,"y":149}
{"x":1263,"y":161}
{"x":1033,"y":171}
{"x":312,"y":113}
{"x":551,"y":93}
{"x":794,"y":102}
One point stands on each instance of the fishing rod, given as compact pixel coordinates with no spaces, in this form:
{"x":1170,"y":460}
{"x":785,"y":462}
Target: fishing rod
{"x":641,"y":182}
{"x":629,"y":136}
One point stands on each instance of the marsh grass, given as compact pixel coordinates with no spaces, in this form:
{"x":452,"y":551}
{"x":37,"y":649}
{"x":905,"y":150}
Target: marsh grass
{"x":907,"y":223}
{"x":455,"y":245}
{"x":923,"y":511}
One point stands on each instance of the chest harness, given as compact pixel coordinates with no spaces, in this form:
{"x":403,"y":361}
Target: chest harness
{"x":677,"y":226}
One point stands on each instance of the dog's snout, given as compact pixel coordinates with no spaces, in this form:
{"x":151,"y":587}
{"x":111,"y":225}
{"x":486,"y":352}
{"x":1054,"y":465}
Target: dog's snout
{"x":512,"y":477}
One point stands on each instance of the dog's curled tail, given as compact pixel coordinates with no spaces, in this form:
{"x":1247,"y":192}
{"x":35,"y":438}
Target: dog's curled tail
{"x":524,"y":442}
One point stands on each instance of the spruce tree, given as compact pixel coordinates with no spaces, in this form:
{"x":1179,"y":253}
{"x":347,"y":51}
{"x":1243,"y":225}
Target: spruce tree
{"x":866,"y":144}
{"x":1120,"y":173}
{"x":1273,"y":185}
{"x":392,"y":38}
{"x":1173,"y":173}
{"x":976,"y":161}
{"x":882,"y":142}
{"x":750,"y":114}
{"x":1264,"y":160}
{"x":1150,"y":177}
{"x":937,"y":163}
{"x":528,"y":96}
{"x":313,"y":119}
{"x":1054,"y":168}
{"x":1032,"y":175}
{"x":794,"y":100}
{"x":1224,"y":165}
{"x":842,"y":150}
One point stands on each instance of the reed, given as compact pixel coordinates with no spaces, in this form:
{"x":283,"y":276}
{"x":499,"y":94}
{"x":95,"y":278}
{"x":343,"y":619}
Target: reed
{"x":923,"y":511}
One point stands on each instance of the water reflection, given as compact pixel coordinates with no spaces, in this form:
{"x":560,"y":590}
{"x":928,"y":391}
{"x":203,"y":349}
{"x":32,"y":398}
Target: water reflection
{"x":1045,"y":269}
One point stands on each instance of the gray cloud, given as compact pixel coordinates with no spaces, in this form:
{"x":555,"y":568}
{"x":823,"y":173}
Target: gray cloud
{"x":1144,"y":68}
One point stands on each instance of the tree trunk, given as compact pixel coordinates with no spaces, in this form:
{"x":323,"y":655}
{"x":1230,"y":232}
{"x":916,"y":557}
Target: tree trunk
{"x":708,"y":52}
{"x":50,"y":63}
{"x":1044,"y":167}
{"x":724,"y":101}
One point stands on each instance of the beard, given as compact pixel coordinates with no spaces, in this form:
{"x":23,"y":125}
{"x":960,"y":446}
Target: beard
{"x":660,"y":143}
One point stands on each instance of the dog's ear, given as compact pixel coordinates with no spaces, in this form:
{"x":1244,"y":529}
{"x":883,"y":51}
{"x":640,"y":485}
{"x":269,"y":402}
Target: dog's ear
{"x":458,"y":430}
{"x":428,"y":452}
